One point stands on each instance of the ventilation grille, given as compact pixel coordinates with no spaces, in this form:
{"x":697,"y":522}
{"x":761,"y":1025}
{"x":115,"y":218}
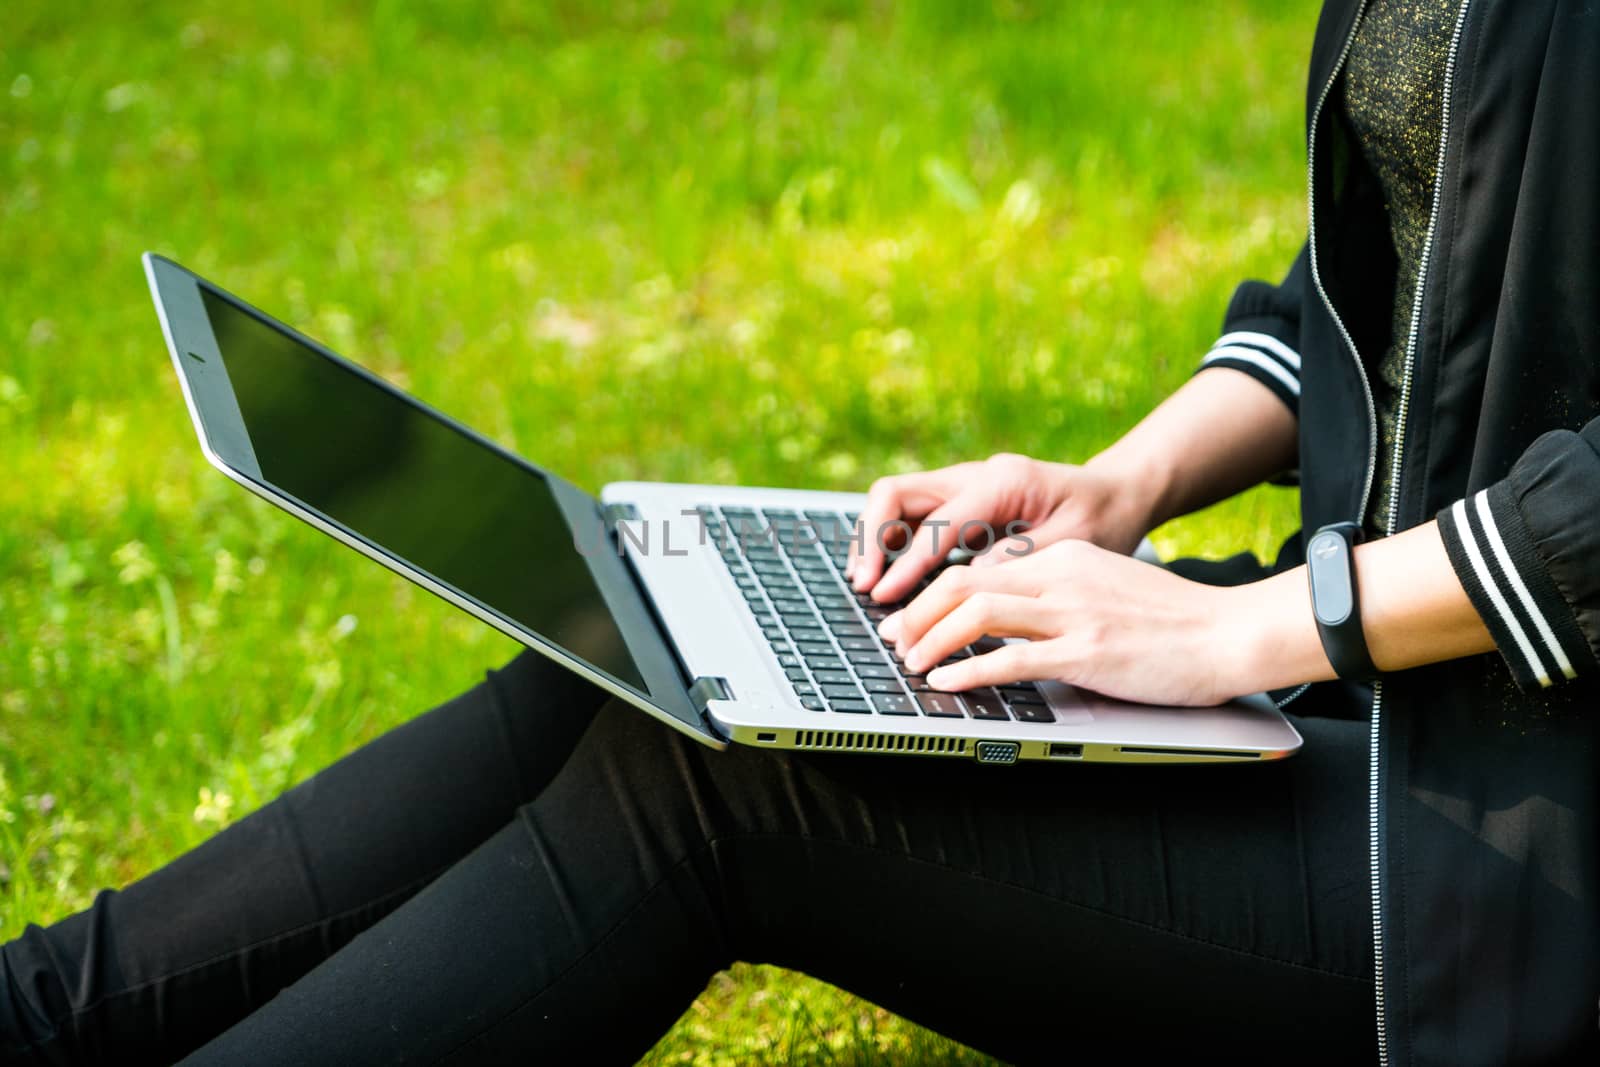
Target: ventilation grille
{"x":836,"y":739}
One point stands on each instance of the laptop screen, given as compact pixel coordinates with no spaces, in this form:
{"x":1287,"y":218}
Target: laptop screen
{"x":417,"y":487}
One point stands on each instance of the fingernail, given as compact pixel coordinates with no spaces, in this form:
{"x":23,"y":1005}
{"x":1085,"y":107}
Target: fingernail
{"x":937,"y":676}
{"x":890,"y":626}
{"x":912,"y":660}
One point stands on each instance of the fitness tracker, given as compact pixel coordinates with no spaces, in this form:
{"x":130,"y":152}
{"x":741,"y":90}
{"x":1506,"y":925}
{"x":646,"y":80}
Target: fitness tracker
{"x":1330,"y":562}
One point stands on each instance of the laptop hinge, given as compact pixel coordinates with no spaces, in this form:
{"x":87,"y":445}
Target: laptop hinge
{"x":706,"y":689}
{"x":612,"y":514}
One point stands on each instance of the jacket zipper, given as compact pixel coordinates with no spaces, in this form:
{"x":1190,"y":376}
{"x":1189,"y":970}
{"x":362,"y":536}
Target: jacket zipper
{"x":1374,"y":812}
{"x":1374,"y":792}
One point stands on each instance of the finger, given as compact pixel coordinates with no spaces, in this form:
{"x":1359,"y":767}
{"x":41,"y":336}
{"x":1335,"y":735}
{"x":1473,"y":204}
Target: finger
{"x":954,"y":586}
{"x":889,"y":628}
{"x":890,"y":499}
{"x":1030,"y":662}
{"x":939,"y":532}
{"x":984,"y":614}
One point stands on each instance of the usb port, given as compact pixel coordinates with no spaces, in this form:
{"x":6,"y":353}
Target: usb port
{"x":767,"y":737}
{"x":1063,"y":751}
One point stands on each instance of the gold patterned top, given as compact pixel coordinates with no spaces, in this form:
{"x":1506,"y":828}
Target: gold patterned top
{"x":1394,"y":99}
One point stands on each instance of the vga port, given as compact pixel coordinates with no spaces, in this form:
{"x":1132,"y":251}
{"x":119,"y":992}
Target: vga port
{"x":998,"y":751}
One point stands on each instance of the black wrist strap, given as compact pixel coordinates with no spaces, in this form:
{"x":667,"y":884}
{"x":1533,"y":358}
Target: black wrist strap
{"x":1330,"y":565}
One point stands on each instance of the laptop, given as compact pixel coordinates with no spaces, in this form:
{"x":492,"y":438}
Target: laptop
{"x":722,"y":611}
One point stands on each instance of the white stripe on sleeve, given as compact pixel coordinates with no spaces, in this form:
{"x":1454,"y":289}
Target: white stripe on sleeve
{"x":1492,"y":534}
{"x":1261,"y":340}
{"x":1252,"y":356}
{"x":1458,"y":511}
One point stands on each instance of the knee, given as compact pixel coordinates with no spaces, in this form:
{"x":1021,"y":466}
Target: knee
{"x":39,"y":998}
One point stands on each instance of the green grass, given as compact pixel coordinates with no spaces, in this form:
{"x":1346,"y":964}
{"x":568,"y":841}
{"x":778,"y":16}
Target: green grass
{"x":760,"y":243}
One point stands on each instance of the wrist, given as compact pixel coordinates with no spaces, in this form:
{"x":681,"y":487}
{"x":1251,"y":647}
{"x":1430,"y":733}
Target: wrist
{"x":1268,"y":635}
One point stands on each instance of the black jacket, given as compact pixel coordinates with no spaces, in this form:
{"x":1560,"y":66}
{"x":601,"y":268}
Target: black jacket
{"x":1485,"y":781}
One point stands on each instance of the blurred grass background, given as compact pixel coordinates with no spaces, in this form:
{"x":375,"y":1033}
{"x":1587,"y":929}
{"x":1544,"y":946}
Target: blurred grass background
{"x":787,"y":244}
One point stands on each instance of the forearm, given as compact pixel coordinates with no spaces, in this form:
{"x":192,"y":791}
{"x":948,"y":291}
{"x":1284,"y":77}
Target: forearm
{"x":1220,"y":434}
{"x":1413,"y":611}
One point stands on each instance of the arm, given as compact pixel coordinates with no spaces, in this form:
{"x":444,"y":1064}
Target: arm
{"x":1219,"y":434}
{"x":1514,"y":567}
{"x":1414,"y":611}
{"x":1103,"y":621}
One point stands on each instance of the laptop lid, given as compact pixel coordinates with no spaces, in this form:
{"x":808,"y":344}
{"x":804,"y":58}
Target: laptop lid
{"x":417,"y":491}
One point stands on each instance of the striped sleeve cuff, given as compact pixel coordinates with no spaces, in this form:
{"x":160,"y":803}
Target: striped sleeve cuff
{"x":1263,"y":357}
{"x":1495,"y":558}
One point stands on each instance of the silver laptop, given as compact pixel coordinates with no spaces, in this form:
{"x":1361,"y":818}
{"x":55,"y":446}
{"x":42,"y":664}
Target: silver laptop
{"x":721,"y":611}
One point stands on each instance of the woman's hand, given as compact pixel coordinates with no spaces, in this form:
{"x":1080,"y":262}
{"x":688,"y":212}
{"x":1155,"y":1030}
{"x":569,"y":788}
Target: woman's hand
{"x":1094,"y":618}
{"x":1053,"y":501}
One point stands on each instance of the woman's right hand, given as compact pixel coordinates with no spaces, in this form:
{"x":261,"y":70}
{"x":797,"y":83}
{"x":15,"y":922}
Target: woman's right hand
{"x":1053,"y":501}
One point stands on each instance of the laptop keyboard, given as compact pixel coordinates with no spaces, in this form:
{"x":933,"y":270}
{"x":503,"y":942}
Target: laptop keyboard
{"x":790,"y":567}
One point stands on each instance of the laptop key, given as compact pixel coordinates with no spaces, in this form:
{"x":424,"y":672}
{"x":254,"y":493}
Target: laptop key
{"x":918,"y":683}
{"x":795,"y":674}
{"x":826,"y":663}
{"x":813,"y":704}
{"x":841,"y":692}
{"x":1032,"y":713}
{"x":882,"y":685}
{"x":855,"y":707}
{"x":788,"y":659}
{"x":941,"y":705}
{"x":893,"y":704}
{"x":827,"y":678}
{"x":858,"y":644}
{"x":879,"y":669}
{"x":984,"y":704}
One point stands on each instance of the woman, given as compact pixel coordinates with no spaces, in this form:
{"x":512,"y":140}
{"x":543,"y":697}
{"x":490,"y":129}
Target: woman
{"x":534,"y":872}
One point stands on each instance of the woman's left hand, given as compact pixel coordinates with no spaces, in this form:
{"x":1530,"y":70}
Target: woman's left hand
{"x":1094,"y":618}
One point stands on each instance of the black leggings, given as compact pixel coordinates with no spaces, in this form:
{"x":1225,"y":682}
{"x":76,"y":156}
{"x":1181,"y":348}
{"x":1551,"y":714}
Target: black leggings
{"x":533,"y":872}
